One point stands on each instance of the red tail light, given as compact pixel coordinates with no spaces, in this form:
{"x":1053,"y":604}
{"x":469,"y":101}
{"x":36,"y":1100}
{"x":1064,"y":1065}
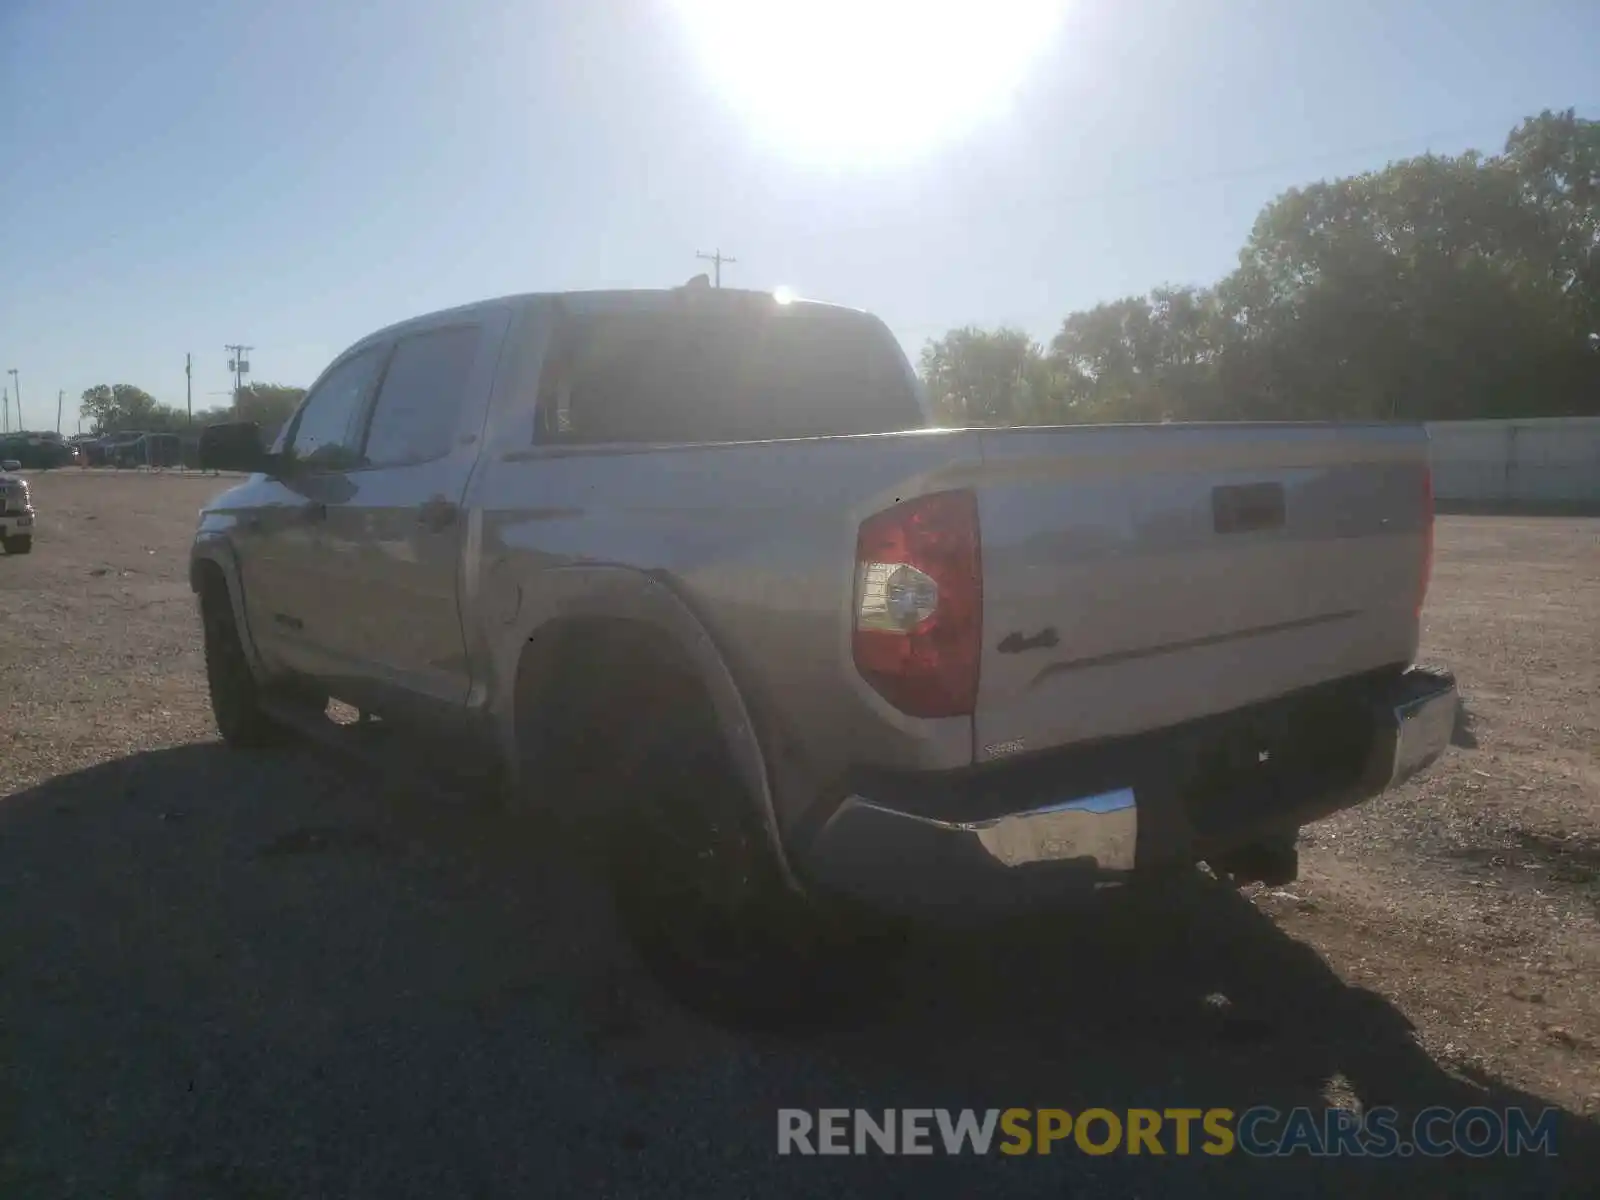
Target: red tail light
{"x":919,"y":604}
{"x":1427,"y":537}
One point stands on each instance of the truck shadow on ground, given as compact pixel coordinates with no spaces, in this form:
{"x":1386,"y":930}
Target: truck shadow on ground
{"x":230,"y":974}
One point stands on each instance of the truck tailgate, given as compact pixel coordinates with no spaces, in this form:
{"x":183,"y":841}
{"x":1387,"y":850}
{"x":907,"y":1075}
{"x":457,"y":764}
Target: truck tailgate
{"x":1138,"y":576}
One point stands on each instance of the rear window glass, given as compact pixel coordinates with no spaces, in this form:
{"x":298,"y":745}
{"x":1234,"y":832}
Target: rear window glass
{"x":725,"y":375}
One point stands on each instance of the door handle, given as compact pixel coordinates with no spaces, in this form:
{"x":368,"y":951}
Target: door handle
{"x":437,"y":514}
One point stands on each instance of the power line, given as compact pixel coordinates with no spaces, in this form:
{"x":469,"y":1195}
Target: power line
{"x":716,"y":258}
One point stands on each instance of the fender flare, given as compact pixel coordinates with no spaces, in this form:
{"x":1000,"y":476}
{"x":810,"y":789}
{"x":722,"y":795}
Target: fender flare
{"x":214,"y":548}
{"x":621,"y":593}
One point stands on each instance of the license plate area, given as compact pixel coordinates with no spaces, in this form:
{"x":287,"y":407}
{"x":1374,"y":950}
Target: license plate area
{"x":1248,"y":766}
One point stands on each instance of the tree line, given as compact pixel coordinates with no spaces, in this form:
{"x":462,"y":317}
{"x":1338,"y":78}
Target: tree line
{"x":1437,"y":288}
{"x":116,"y":407}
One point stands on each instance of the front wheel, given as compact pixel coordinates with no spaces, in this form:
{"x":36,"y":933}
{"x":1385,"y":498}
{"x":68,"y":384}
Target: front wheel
{"x":21,"y":544}
{"x":235,"y":693}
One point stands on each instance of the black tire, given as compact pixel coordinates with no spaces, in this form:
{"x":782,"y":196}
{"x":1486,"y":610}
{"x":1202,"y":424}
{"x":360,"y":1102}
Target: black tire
{"x":19,"y":545}
{"x":700,"y":893}
{"x":235,"y":694}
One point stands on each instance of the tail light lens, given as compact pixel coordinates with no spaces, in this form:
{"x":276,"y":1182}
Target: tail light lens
{"x":1427,"y":537}
{"x":919,"y":604}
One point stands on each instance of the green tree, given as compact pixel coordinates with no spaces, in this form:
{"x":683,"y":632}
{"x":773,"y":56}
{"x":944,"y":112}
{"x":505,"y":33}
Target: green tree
{"x":1437,"y":287}
{"x":1426,"y":290}
{"x":982,"y":377}
{"x":118,"y":406}
{"x":1556,"y":160}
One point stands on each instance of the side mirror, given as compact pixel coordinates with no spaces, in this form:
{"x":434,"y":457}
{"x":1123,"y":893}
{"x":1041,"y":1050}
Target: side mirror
{"x":235,"y":446}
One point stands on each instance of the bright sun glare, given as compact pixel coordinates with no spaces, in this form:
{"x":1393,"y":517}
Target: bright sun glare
{"x":868,"y":81}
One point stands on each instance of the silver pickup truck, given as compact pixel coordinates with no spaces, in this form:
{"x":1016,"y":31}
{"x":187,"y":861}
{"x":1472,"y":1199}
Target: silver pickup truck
{"x":692,"y":561}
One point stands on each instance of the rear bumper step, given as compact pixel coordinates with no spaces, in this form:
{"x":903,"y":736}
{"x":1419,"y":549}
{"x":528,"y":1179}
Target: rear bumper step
{"x":1096,"y":816}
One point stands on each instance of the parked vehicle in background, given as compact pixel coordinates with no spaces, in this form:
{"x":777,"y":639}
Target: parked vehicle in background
{"x":35,"y":451}
{"x":225,"y":435}
{"x":16,"y":512}
{"x":698,"y":548}
{"x":10,"y":464}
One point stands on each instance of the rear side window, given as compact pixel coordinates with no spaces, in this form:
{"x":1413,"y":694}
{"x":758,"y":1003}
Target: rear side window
{"x":419,"y":402}
{"x":725,"y":374}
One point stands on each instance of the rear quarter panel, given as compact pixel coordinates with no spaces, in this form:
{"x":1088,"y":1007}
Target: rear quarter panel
{"x":758,"y":540}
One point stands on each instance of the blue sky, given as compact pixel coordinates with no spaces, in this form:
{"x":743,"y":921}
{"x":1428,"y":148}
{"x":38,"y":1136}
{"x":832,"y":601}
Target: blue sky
{"x":176,"y":176}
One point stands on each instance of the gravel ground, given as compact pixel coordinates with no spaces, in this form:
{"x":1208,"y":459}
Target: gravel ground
{"x":265,"y":976}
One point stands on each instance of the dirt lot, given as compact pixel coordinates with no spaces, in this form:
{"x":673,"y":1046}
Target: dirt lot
{"x":262,"y":976}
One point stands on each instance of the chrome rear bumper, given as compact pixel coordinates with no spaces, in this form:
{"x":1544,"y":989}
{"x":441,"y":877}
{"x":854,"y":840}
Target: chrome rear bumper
{"x":877,"y":850}
{"x":1418,"y":725}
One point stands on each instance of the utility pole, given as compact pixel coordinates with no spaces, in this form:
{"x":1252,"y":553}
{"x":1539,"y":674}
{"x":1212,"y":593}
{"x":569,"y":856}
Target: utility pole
{"x":716,"y":258}
{"x":59,"y":394}
{"x":240,"y":366}
{"x":5,"y":411}
{"x":188,"y":385}
{"x":16,"y":386}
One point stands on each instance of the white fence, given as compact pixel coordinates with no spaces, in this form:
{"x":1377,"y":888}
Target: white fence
{"x":1546,"y":460}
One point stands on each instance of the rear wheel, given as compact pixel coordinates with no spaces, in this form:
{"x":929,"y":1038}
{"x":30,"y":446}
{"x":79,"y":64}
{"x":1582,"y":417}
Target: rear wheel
{"x":700,"y":891}
{"x":22,"y":544}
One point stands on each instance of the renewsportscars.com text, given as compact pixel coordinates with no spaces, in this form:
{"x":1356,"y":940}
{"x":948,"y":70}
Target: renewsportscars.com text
{"x":1259,"y":1132}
